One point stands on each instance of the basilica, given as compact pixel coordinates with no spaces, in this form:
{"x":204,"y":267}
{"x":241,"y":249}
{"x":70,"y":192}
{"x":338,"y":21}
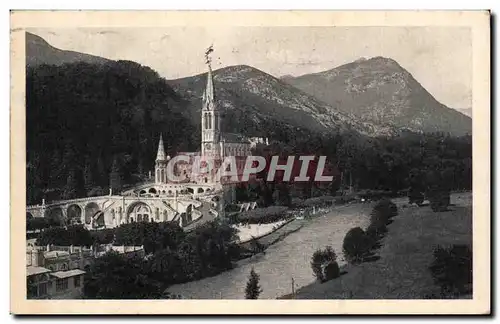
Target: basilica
{"x":188,"y":199}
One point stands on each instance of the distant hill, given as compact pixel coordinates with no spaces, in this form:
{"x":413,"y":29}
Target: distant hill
{"x":250,"y":99}
{"x":465,"y":111}
{"x":379,"y":90}
{"x":38,"y":52}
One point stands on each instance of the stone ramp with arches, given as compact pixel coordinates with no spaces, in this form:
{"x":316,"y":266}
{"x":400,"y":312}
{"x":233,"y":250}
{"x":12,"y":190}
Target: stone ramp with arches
{"x":112,"y":211}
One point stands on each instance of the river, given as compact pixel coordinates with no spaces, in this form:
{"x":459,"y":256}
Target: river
{"x":287,"y":259}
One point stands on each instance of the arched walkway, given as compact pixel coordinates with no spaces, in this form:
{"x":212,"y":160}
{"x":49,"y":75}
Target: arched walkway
{"x":90,"y":211}
{"x":200,"y":190}
{"x":139,"y":212}
{"x":74,"y":214}
{"x":152,"y":190}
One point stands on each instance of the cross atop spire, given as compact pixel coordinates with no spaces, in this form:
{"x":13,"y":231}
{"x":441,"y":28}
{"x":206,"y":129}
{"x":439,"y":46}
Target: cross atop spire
{"x":161,"y":156}
{"x":208,"y":59}
{"x":208,"y":94}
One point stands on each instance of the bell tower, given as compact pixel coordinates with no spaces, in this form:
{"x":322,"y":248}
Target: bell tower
{"x":161,"y":163}
{"x":210,"y":118}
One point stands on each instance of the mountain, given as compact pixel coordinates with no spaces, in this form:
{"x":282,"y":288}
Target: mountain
{"x":38,"y":52}
{"x":252,"y":100}
{"x":379,"y":90}
{"x":465,"y":111}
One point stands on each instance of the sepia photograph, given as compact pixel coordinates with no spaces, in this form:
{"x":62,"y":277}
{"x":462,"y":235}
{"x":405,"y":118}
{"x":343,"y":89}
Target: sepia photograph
{"x":214,"y":160}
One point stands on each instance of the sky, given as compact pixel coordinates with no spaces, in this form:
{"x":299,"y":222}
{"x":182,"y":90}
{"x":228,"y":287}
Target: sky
{"x":440,"y":58}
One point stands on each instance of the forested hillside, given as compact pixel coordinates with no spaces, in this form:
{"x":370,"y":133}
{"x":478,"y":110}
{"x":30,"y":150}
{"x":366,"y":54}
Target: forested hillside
{"x":83,"y":120}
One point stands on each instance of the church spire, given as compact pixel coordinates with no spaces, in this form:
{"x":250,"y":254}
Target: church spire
{"x":208,"y":95}
{"x":161,"y":156}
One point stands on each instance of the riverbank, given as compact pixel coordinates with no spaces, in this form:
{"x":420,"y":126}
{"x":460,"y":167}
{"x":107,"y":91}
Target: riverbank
{"x":406,"y":253}
{"x":288,"y":256}
{"x":276,"y":235}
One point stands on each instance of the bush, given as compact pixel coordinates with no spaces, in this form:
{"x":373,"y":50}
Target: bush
{"x":380,"y":217}
{"x":332,"y":270}
{"x":386,"y":208}
{"x":263,"y":215}
{"x":376,"y":230}
{"x":452,"y":269}
{"x":415,"y":195}
{"x":439,"y":200}
{"x":356,"y":245}
{"x":320,"y":260}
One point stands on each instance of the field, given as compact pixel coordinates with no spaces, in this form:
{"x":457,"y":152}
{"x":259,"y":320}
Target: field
{"x":406,"y":253}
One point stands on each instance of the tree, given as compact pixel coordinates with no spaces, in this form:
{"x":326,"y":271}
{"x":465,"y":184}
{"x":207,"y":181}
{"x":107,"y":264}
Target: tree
{"x":253,"y":290}
{"x":452,"y":269}
{"x":283,"y":195}
{"x":417,"y":187}
{"x":36,"y":223}
{"x":87,"y":177}
{"x":241,"y":192}
{"x":438,"y":190}
{"x":115,"y":276}
{"x":71,"y":188}
{"x":55,"y":168}
{"x":115,"y":181}
{"x":75,"y":235}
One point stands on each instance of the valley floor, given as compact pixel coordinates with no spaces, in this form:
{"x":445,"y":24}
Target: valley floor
{"x":406,"y":253}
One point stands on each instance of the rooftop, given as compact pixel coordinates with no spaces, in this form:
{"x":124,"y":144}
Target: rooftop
{"x":32,"y":270}
{"x":234,"y":138}
{"x":67,"y":274}
{"x":55,"y":254}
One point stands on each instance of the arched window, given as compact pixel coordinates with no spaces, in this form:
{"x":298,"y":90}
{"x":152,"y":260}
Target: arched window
{"x":209,"y":121}
{"x":162,"y":173}
{"x":157,"y":175}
